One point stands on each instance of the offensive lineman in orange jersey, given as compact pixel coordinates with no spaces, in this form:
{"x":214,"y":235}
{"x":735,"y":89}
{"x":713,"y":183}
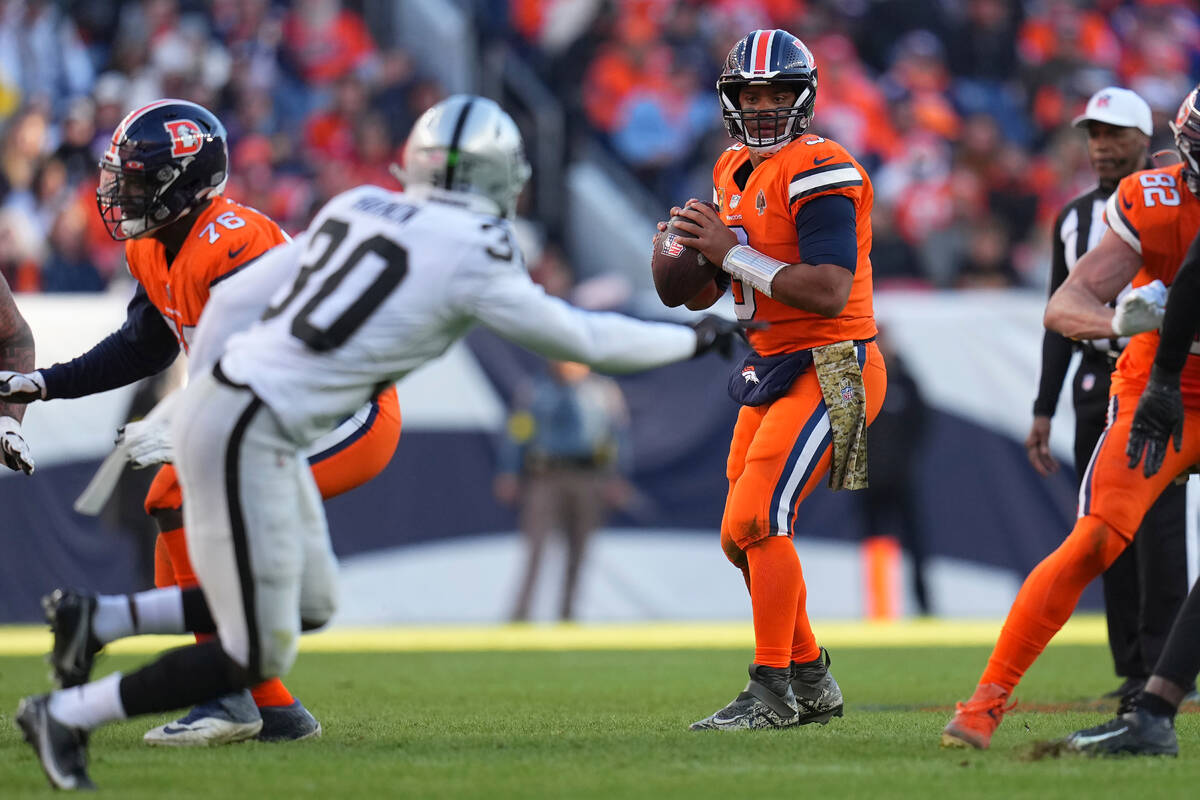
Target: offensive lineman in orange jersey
{"x":1152,"y":218}
{"x":793,"y":237}
{"x":160,"y":192}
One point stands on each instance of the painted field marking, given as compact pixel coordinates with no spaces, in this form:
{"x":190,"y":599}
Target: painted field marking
{"x":1084,"y":629}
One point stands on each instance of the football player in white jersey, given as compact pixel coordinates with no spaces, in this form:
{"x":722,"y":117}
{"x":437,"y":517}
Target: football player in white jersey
{"x":383,"y":282}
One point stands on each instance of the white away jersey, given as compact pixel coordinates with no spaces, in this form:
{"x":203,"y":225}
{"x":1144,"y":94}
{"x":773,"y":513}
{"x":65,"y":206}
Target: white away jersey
{"x":386,"y":281}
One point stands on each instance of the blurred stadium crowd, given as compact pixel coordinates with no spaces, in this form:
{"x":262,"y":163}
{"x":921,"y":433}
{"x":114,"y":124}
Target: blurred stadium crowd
{"x":959,"y":109}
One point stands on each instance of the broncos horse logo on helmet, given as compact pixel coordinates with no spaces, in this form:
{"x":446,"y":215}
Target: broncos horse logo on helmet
{"x":164,"y":160}
{"x":761,"y":58}
{"x":1186,"y":127}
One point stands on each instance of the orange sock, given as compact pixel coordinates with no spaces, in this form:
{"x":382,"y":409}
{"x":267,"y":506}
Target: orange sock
{"x":804,"y":644}
{"x":272,"y":693}
{"x":1048,"y":597}
{"x":775,"y":583}
{"x":175,"y":543}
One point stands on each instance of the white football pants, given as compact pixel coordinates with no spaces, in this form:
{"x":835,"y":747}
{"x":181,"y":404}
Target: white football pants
{"x":256,"y":528}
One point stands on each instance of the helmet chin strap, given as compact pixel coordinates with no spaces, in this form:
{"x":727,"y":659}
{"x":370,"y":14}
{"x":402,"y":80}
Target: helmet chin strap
{"x":766,"y":151}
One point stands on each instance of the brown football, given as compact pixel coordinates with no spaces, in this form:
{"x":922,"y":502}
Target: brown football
{"x":680,"y":272}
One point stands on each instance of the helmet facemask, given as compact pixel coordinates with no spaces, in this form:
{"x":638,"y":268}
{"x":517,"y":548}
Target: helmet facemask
{"x":1186,"y":127}
{"x":768,"y":58}
{"x":133,"y":204}
{"x":766,"y":131}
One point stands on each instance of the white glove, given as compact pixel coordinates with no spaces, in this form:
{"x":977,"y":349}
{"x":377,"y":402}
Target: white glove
{"x":1141,"y":309}
{"x":147,"y":442}
{"x":22,"y":387}
{"x":13,"y":447}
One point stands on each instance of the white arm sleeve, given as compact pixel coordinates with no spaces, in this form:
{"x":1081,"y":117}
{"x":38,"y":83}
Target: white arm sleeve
{"x":239,"y":300}
{"x":501,"y":295}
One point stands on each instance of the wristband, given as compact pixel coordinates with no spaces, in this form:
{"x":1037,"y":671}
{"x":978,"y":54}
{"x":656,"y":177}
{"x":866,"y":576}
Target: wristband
{"x":757,"y":269}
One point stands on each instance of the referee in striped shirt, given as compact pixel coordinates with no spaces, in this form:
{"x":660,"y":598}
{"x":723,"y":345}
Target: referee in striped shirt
{"x":1145,"y":586}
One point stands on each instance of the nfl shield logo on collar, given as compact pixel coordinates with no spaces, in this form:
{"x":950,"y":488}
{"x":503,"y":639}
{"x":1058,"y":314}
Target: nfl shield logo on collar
{"x":760,"y":203}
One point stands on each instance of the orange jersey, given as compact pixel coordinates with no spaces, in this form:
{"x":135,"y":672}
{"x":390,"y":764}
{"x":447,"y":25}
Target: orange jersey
{"x":226,"y":236}
{"x":760,"y":205}
{"x":1155,"y":213}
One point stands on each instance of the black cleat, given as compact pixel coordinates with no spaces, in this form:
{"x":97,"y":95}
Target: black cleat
{"x":1127,"y":690}
{"x":766,"y":702}
{"x":61,"y":748}
{"x":1136,"y":732}
{"x":817,"y":692}
{"x":70,"y":617}
{"x":288,"y":723}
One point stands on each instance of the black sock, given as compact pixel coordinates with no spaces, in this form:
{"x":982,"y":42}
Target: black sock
{"x":1148,"y":701}
{"x":196,"y":616}
{"x":181,"y":678}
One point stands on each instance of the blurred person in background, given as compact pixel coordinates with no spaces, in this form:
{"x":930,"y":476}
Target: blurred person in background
{"x":1145,"y":586}
{"x":326,"y":42}
{"x":986,"y":262}
{"x":563,"y":462}
{"x":891,"y":502}
{"x":68,"y":267}
{"x":75,"y":148}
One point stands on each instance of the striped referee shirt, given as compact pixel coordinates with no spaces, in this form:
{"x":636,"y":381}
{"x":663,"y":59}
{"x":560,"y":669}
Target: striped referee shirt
{"x":1077,"y":229}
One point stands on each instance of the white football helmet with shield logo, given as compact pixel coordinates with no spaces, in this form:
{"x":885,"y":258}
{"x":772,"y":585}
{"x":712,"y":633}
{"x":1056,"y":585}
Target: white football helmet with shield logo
{"x":467,"y":143}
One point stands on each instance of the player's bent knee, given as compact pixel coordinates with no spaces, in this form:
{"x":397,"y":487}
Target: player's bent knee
{"x":317,"y":615}
{"x":1096,"y":542}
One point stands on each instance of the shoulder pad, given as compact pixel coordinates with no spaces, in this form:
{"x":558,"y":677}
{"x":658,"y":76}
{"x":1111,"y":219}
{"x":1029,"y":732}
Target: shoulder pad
{"x":1144,"y":201}
{"x":815,"y":165}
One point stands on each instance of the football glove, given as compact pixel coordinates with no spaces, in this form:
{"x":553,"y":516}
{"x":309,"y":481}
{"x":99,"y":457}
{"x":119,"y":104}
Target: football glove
{"x":147,"y":442}
{"x":1141,"y":309}
{"x":717,"y":333}
{"x":1159,"y":417}
{"x":13,"y":447}
{"x":22,"y":387}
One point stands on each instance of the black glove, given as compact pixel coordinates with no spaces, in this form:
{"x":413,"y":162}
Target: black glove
{"x":1159,"y":417}
{"x":717,"y":333}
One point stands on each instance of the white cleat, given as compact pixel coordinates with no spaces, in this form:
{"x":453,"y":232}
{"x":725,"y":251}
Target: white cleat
{"x":233,"y":718}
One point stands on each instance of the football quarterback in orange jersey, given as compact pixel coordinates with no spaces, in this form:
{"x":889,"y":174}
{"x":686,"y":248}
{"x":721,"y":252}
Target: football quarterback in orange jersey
{"x":160,"y":192}
{"x":792,"y":234}
{"x":1152,"y":218}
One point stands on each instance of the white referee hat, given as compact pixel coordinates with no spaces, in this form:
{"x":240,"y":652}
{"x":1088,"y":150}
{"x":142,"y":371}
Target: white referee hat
{"x":1119,"y":107}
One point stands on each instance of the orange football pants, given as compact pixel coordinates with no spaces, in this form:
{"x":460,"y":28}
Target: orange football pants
{"x":780,"y":452}
{"x":1112,"y":501}
{"x":364,"y":456}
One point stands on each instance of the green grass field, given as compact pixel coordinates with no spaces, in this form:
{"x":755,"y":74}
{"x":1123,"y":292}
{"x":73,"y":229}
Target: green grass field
{"x":608,"y":723}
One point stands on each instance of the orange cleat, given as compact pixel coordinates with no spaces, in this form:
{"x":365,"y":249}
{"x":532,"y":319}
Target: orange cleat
{"x":977,"y":719}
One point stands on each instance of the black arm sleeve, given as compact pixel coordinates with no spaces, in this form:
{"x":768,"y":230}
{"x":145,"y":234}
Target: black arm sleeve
{"x":1181,"y":320}
{"x":143,"y":346}
{"x":827,"y":231}
{"x":1056,"y":348}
